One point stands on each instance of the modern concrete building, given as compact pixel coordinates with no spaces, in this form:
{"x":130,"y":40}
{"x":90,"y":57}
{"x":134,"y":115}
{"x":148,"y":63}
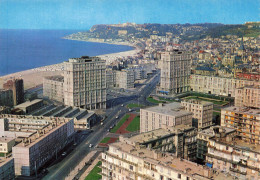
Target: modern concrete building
{"x":125,"y":79}
{"x":6,"y":144}
{"x":175,"y":72}
{"x":245,"y":120}
{"x":128,"y":161}
{"x":53,"y":88}
{"x":110,"y":78}
{"x":7,"y":168}
{"x":218,"y":85}
{"x":202,"y":111}
{"x":41,"y":138}
{"x":30,"y":106}
{"x":179,"y":140}
{"x":232,"y":155}
{"x":16,"y":85}
{"x":85,"y":82}
{"x":203,"y":140}
{"x":248,"y":96}
{"x":168,"y":115}
{"x":6,"y":98}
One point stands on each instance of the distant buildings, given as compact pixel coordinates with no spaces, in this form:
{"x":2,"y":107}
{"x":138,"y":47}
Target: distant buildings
{"x":125,"y":79}
{"x":168,"y":115}
{"x":202,"y":111}
{"x":175,"y":72}
{"x":245,"y":120}
{"x":6,"y":98}
{"x":85,"y":83}
{"x":17,"y":87}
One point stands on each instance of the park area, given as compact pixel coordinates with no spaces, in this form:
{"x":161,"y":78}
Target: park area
{"x":214,"y":101}
{"x":94,"y":173}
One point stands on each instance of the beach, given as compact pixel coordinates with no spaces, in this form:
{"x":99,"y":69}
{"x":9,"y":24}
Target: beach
{"x":34,"y":77}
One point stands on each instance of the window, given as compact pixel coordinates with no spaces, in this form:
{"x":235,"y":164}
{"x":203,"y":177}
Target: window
{"x":131,"y":167}
{"x":179,"y":176}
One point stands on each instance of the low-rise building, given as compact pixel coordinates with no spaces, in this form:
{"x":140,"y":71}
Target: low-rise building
{"x":245,"y":120}
{"x":248,"y":96}
{"x":202,"y":111}
{"x":6,"y":144}
{"x":218,"y":85}
{"x":156,"y":117}
{"x":53,"y":88}
{"x":203,"y":140}
{"x":234,"y":156}
{"x":7,"y":168}
{"x":127,"y":161}
{"x":179,"y":140}
{"x":30,"y":106}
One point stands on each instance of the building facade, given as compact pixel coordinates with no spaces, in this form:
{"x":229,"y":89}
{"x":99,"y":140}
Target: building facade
{"x":168,"y":115}
{"x":16,"y":85}
{"x":248,"y":96}
{"x":127,"y":161}
{"x":6,"y":144}
{"x":202,"y":111}
{"x":175,"y":72}
{"x":125,"y":79}
{"x":7,"y":168}
{"x":218,"y":85}
{"x":245,"y":120}
{"x":85,"y":83}
{"x":53,"y":88}
{"x":6,"y":98}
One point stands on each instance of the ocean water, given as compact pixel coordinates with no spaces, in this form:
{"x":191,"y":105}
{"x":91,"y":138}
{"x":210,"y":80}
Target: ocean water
{"x":26,"y":49}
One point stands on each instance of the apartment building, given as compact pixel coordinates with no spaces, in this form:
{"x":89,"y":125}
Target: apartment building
{"x":7,"y":168}
{"x":6,"y":98}
{"x":245,"y":120}
{"x":203,"y":140}
{"x":41,"y":138}
{"x":218,"y":85}
{"x":156,"y":117}
{"x":85,"y":82}
{"x":17,"y":87}
{"x":232,"y":155}
{"x":110,"y":78}
{"x":248,"y":96}
{"x":127,"y":161}
{"x":202,"y":111}
{"x":179,"y":140}
{"x":53,"y":88}
{"x":175,"y":72}
{"x":125,"y":79}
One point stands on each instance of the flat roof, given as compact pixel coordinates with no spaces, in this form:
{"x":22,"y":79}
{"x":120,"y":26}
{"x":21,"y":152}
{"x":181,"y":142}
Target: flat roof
{"x":28,"y":103}
{"x":172,"y":109}
{"x":196,"y":101}
{"x":6,"y":139}
{"x":55,"y":78}
{"x":4,"y":160}
{"x":242,"y":110}
{"x":210,"y":131}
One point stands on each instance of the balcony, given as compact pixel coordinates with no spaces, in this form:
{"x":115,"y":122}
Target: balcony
{"x":237,"y":171}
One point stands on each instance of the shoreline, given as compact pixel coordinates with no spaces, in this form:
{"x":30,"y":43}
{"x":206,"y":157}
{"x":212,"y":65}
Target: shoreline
{"x":34,"y":77}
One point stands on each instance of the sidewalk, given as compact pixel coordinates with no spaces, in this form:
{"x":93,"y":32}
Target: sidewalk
{"x":82,"y":177}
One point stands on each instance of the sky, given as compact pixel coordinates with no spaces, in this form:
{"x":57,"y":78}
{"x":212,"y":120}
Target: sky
{"x":82,"y":14}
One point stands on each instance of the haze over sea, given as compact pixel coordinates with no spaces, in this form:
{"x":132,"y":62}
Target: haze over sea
{"x":26,"y":49}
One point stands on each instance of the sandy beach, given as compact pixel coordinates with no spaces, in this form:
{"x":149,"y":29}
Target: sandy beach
{"x":34,"y":77}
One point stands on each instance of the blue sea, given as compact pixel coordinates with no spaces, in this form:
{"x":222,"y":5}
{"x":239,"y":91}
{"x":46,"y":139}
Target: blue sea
{"x":26,"y":49}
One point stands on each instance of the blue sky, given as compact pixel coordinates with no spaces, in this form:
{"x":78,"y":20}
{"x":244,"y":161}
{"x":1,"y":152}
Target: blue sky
{"x":82,"y":14}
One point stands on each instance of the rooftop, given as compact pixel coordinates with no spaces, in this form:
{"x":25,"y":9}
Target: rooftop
{"x":210,"y":131}
{"x":242,"y":110}
{"x":172,"y":109}
{"x":5,"y":139}
{"x":28,"y":103}
{"x":4,"y":160}
{"x":55,"y":78}
{"x":196,"y":101}
{"x":84,"y":59}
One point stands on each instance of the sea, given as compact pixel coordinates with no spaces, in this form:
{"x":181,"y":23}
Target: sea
{"x":26,"y":49}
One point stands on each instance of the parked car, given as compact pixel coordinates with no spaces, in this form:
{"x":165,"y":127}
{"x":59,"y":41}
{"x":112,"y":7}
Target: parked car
{"x":90,"y":146}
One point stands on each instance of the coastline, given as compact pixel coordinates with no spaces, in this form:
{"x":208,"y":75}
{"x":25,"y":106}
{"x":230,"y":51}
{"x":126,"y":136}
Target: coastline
{"x":34,"y":77}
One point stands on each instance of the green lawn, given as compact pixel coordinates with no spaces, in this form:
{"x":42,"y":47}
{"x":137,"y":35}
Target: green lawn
{"x":120,"y":123}
{"x":164,"y":99}
{"x":133,"y":105}
{"x":134,"y":125}
{"x":93,"y":175}
{"x":216,"y":113}
{"x":218,"y":102}
{"x":105,"y":140}
{"x":2,"y":155}
{"x":150,"y":99}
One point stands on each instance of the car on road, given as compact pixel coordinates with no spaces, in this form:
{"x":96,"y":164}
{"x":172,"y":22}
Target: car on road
{"x":116,"y":117}
{"x":130,"y":110}
{"x":122,"y":105}
{"x":90,"y":146}
{"x":64,"y":154}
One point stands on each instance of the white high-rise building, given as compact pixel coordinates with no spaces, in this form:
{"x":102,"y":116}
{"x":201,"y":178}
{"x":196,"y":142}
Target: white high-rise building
{"x":85,"y":82}
{"x":175,"y":72}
